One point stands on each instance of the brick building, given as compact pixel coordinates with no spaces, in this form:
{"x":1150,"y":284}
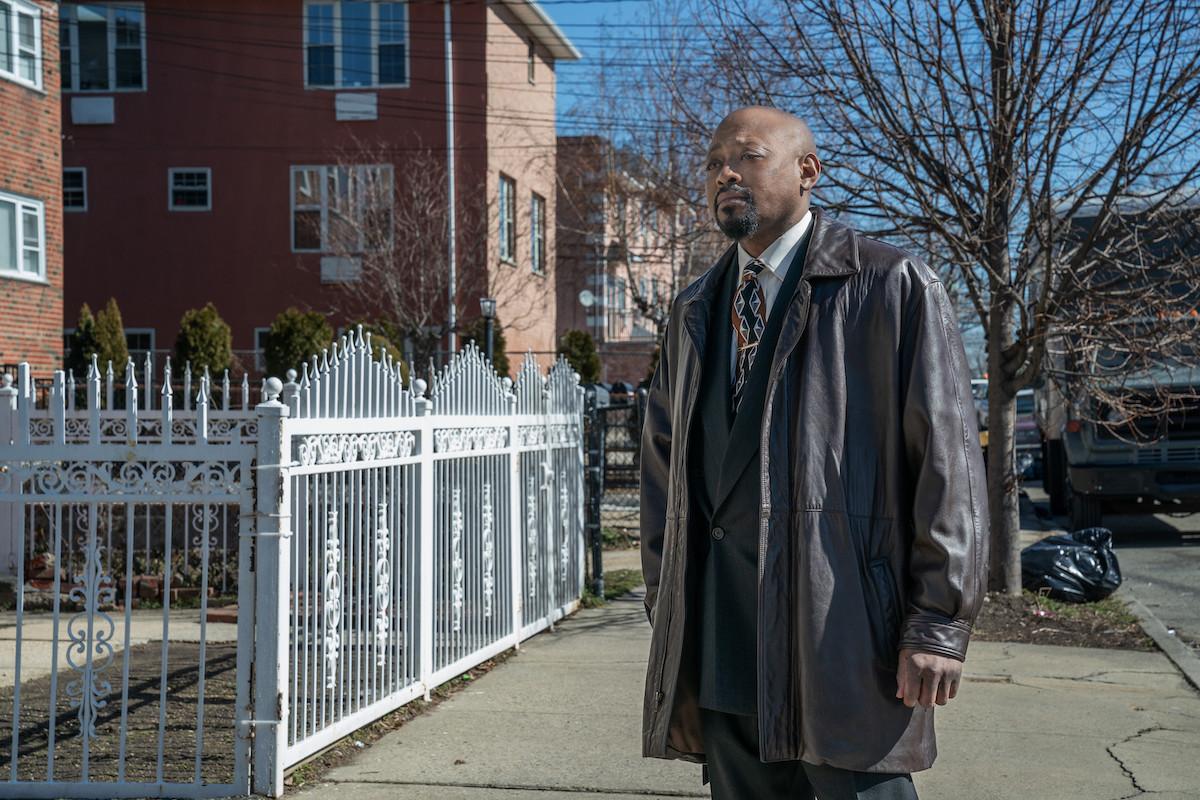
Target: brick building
{"x":31,"y":251}
{"x":244,"y":152}
{"x":620,"y":254}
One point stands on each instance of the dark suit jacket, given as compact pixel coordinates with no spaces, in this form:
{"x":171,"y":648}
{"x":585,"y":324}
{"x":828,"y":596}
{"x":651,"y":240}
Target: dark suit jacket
{"x":726,"y":504}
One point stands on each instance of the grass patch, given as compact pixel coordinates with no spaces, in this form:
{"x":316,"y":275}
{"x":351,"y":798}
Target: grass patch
{"x":616,"y":583}
{"x":1110,"y":607}
{"x":617,"y":539}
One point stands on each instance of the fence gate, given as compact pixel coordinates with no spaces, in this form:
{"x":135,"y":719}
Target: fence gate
{"x":127,"y":519}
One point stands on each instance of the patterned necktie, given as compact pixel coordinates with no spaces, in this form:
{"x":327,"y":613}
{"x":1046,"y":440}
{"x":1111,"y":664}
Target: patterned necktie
{"x":749,"y":319}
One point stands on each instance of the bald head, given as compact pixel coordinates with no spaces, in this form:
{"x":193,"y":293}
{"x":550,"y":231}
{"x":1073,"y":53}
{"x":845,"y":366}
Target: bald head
{"x":761,"y":165}
{"x":764,"y":119}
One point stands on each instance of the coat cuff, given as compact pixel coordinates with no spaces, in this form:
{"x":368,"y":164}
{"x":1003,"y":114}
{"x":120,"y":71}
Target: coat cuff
{"x":936,"y":635}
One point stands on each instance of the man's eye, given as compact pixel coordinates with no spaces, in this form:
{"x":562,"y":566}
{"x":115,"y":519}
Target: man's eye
{"x":710,"y":166}
{"x":748,"y":156}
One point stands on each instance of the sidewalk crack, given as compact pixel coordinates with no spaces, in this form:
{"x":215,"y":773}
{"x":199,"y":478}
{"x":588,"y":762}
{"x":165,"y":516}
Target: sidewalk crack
{"x":1138,"y":789}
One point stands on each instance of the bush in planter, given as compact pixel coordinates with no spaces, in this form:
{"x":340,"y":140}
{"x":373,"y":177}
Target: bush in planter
{"x":579,"y":348}
{"x":102,"y":335}
{"x":293,"y":338}
{"x":204,"y":340}
{"x":383,"y":341}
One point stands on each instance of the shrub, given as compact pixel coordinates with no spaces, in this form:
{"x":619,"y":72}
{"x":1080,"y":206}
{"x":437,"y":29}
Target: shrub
{"x":477,"y":331}
{"x":101,"y":335}
{"x":204,"y":340}
{"x":293,"y":338}
{"x":579,"y":349}
{"x":383,"y":340}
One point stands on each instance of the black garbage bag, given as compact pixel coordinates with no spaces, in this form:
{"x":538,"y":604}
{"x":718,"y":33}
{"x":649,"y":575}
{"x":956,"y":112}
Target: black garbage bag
{"x":1078,"y":567}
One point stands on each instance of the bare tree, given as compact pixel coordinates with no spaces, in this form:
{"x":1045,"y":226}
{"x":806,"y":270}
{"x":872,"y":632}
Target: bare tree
{"x":1041,"y":154}
{"x":386,"y":228}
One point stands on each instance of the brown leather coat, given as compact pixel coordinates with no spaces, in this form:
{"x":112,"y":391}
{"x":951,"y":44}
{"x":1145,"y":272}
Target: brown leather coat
{"x":873,"y":532}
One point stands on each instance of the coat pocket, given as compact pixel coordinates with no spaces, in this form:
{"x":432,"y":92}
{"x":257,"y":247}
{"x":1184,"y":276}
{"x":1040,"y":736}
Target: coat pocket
{"x":887,"y":608}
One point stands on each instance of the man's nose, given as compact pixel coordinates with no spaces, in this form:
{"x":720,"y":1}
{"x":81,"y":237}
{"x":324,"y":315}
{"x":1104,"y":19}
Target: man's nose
{"x":726,"y":175}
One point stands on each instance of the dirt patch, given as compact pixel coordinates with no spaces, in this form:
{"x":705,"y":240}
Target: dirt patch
{"x":188,"y":737}
{"x":1034,"y":620}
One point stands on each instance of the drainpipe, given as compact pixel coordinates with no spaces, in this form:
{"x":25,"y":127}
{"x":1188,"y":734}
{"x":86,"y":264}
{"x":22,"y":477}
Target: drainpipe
{"x":451,"y":255}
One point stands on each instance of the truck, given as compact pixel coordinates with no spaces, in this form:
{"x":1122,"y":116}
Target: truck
{"x":1134,"y":465}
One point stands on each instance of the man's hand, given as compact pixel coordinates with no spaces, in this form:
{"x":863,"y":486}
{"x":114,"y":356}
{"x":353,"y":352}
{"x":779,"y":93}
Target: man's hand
{"x":926,"y":678}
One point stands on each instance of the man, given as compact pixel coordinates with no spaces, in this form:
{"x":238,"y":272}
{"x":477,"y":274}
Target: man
{"x":813,"y":512}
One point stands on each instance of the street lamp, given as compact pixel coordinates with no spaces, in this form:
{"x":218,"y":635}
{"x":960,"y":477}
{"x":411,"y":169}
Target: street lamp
{"x":487,"y":307}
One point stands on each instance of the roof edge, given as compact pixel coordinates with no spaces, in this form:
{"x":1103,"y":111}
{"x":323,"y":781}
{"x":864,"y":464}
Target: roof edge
{"x":544,"y":29}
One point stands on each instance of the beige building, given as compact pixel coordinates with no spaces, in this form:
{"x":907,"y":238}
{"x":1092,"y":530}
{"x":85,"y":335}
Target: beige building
{"x":625,"y":248}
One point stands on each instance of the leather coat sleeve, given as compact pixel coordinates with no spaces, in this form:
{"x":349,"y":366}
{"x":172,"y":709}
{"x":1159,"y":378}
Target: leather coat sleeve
{"x":947,"y":560}
{"x":655,"y":469}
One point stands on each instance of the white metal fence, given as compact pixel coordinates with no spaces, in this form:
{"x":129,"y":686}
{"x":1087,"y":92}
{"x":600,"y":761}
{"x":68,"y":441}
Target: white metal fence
{"x":383,"y":543}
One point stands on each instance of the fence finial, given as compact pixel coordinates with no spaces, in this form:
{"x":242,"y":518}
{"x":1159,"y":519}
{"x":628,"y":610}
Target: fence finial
{"x":272,"y":387}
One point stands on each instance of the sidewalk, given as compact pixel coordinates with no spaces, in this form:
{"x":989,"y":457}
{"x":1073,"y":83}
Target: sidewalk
{"x":562,"y":721}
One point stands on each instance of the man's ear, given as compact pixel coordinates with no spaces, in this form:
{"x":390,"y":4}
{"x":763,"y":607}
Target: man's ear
{"x":810,"y":170}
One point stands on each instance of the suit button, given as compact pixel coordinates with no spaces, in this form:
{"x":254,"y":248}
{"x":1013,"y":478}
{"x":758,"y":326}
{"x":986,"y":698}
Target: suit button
{"x":718,"y":533}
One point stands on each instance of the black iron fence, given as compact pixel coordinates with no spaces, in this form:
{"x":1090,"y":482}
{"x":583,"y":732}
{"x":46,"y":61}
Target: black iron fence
{"x":612,"y":452}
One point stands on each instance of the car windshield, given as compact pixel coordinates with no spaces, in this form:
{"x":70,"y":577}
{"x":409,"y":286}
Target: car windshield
{"x":1024,"y":404}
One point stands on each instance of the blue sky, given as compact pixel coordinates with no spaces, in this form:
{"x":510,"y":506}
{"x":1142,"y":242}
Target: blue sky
{"x":581,"y":21}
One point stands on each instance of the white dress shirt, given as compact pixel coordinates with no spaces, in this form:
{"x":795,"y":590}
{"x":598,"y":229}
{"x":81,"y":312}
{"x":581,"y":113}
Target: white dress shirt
{"x":777,"y":258}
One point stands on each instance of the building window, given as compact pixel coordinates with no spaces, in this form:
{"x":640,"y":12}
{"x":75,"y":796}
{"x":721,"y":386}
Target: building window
{"x":537,"y":238}
{"x":508,"y":219}
{"x":75,"y":189}
{"x":260,"y":349}
{"x":102,"y":46}
{"x":342,"y":209}
{"x":532,"y":62}
{"x":139,"y":341}
{"x":22,"y":237}
{"x":21,"y":42}
{"x":353,"y":43}
{"x":189,"y":189}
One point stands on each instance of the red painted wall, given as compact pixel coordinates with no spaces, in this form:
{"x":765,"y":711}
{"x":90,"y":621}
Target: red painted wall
{"x":231,"y":97}
{"x":31,"y":166}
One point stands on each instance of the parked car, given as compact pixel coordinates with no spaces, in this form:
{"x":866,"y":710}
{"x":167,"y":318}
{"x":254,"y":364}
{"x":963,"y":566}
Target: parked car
{"x":1027,"y":435}
{"x":979,"y":389}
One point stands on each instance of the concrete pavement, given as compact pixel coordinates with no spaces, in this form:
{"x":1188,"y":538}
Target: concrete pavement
{"x":562,"y":721}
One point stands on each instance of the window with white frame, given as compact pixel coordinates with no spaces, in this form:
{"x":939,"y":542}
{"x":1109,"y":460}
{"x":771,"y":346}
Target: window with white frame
{"x":508,"y":219}
{"x":354,"y":44}
{"x":22,"y":237}
{"x":189,"y":189}
{"x":102,"y":46}
{"x":537,"y":237}
{"x":260,"y":349}
{"x":342,"y":209}
{"x":21,"y":42}
{"x":75,"y":189}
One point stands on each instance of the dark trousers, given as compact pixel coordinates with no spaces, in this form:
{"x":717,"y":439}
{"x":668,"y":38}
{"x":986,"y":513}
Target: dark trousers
{"x":736,"y":773}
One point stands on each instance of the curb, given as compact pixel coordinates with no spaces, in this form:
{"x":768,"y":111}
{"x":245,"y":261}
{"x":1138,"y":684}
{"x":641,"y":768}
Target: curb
{"x":1183,"y":657}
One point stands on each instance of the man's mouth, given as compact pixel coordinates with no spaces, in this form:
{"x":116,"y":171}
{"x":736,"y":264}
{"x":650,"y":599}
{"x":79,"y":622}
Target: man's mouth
{"x":731,"y":196}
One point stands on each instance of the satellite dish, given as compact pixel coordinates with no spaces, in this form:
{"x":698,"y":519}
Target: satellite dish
{"x":586,"y":298}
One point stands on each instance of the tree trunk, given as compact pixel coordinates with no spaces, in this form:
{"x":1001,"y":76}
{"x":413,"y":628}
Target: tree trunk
{"x":1004,"y":572}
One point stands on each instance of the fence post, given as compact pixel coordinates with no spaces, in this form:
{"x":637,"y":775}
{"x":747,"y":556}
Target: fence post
{"x":594,"y":451}
{"x":425,"y":532}
{"x":9,"y":526}
{"x":513,"y":487}
{"x":272,"y":563}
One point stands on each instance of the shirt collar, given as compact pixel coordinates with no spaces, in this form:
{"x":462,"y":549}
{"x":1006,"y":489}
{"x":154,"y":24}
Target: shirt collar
{"x":778,"y":256}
